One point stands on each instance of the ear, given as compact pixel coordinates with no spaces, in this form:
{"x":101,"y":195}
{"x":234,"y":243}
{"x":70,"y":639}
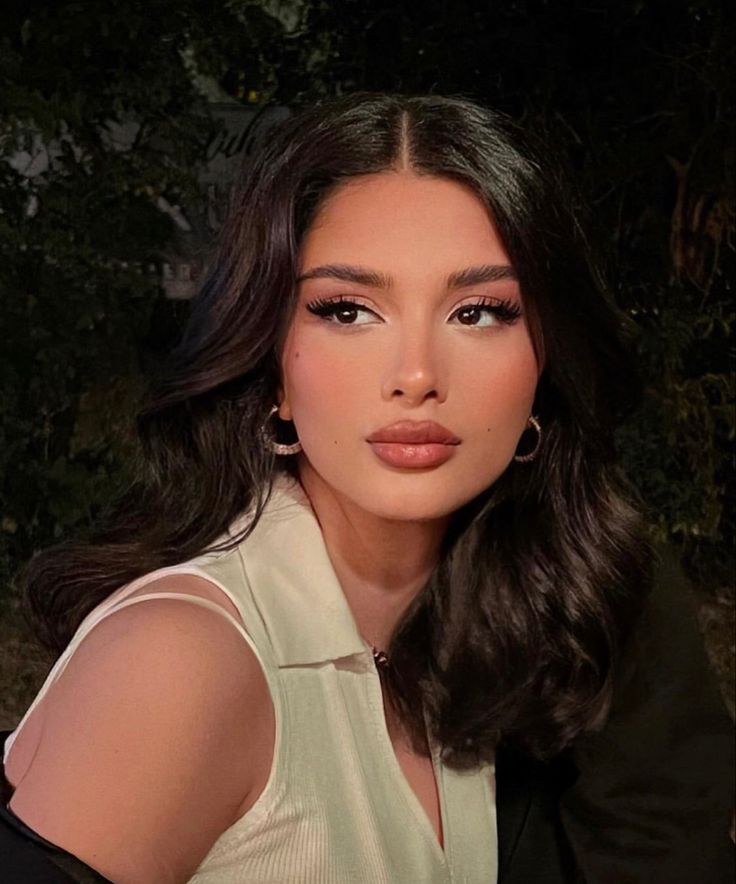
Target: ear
{"x":282,"y":399}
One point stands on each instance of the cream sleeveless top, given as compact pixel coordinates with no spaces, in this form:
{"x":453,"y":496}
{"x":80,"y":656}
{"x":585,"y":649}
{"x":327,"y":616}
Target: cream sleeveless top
{"x":337,"y":808}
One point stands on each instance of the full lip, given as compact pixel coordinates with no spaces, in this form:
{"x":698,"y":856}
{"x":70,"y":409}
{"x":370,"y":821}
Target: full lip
{"x":409,"y":432}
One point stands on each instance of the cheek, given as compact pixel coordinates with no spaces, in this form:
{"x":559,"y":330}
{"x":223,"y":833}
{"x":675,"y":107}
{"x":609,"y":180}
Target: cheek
{"x":319,"y":384}
{"x":499,"y":391}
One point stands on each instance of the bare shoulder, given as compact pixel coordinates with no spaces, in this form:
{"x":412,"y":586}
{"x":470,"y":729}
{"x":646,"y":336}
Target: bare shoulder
{"x":156,"y":738}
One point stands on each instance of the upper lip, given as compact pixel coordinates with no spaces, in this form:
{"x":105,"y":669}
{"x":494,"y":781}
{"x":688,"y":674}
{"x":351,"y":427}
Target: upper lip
{"x":415,"y":433}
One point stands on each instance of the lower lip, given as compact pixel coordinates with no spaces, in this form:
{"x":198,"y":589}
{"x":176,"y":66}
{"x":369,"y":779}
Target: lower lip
{"x":405,"y":454}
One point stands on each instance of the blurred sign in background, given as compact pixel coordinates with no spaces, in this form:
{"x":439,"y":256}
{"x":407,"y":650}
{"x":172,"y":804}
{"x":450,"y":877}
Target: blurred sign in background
{"x":240,"y":129}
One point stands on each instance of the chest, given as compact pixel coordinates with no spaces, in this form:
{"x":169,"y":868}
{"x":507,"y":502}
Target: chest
{"x":357,"y":741}
{"x":349,"y":799}
{"x":419,"y":773}
{"x":415,"y":765}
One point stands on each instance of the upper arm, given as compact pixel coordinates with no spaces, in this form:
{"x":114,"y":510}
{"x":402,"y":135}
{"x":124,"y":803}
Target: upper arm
{"x":149,"y":744}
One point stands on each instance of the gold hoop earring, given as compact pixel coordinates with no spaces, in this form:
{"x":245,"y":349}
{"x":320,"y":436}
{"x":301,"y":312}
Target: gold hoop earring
{"x":270,"y":440}
{"x":532,"y":423}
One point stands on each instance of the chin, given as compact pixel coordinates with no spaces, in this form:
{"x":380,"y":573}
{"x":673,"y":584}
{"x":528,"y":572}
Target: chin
{"x":422,"y":498}
{"x":407,"y":495}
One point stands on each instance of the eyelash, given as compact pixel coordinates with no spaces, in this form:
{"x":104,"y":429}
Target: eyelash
{"x":507,"y":312}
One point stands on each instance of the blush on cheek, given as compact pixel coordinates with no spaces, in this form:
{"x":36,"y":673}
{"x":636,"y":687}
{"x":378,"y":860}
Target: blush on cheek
{"x":520,"y":370}
{"x":504,"y":402}
{"x":506,"y":381}
{"x":320,"y":393}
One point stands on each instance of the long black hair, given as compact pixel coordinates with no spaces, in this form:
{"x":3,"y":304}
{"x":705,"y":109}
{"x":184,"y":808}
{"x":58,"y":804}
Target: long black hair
{"x":518,"y":633}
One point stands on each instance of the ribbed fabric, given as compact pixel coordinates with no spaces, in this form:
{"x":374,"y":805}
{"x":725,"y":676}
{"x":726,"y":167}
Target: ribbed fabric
{"x":337,"y":808}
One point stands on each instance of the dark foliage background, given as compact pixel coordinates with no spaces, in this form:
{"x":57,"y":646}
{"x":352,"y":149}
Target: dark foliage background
{"x":638,"y":96}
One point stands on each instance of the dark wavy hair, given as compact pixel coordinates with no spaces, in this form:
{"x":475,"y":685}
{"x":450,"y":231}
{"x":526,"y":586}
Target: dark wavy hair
{"x":518,"y":634}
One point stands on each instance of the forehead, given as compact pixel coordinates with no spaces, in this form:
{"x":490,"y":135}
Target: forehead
{"x":403,"y":221}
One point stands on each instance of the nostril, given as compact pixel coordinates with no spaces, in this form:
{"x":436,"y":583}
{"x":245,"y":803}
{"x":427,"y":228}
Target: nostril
{"x":430,"y":394}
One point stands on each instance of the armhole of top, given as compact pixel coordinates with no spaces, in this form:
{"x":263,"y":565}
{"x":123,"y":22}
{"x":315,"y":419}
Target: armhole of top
{"x":119,"y":600}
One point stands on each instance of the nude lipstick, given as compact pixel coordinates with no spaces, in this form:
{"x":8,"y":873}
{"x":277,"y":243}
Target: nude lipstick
{"x":414,"y":444}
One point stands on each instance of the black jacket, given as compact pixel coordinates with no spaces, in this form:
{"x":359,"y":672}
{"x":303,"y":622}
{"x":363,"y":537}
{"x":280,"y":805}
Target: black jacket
{"x":647,"y":800}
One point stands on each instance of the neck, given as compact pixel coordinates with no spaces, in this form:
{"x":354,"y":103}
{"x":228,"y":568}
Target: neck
{"x":382,"y":564}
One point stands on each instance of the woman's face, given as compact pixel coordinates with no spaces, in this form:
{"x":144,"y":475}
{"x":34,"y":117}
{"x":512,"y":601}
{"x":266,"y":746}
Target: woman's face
{"x":408,"y":312}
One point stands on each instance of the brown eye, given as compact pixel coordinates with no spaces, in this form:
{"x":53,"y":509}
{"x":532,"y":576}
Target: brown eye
{"x":487,"y":314}
{"x":346,"y":315}
{"x":469,"y":315}
{"x":342,"y":312}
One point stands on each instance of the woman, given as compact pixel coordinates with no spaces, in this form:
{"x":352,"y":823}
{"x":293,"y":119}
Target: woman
{"x":291,"y":658}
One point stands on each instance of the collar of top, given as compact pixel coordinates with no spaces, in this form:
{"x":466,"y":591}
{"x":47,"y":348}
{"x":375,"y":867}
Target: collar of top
{"x":294,"y":585}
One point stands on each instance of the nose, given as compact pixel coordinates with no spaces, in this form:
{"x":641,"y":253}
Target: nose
{"x":413,"y":371}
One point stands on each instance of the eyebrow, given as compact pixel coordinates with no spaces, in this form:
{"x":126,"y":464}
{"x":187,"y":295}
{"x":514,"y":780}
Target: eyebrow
{"x":374,"y":279}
